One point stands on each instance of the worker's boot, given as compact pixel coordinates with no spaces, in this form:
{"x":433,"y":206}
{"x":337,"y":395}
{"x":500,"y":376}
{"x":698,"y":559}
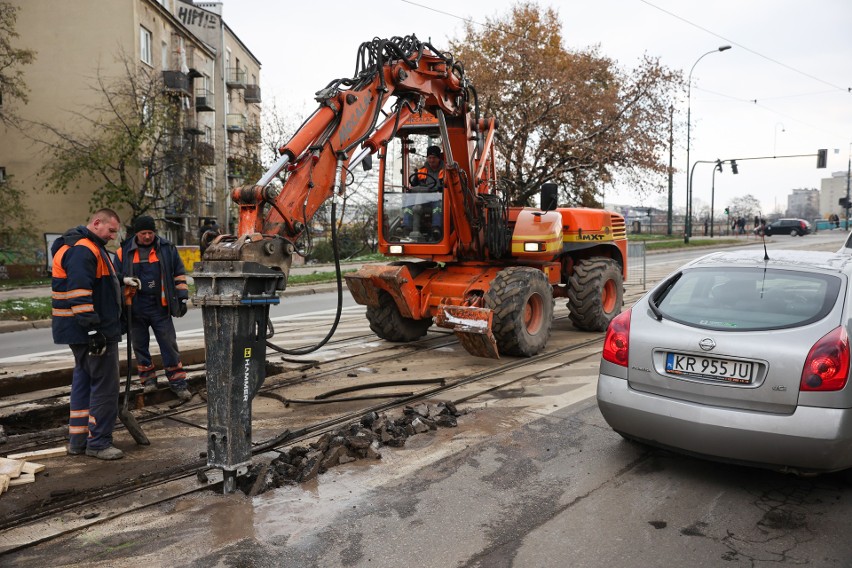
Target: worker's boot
{"x":108,"y":453}
{"x":150,"y":386}
{"x":182,"y":393}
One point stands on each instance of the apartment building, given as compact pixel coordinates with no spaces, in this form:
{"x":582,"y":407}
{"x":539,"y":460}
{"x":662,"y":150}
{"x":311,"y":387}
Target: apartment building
{"x":81,"y":42}
{"x":831,"y":191}
{"x":803,"y":203}
{"x":235,"y":88}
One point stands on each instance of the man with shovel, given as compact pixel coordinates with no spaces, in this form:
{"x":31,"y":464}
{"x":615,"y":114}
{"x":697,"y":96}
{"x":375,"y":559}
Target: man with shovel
{"x":164,"y":293}
{"x":87,"y":317}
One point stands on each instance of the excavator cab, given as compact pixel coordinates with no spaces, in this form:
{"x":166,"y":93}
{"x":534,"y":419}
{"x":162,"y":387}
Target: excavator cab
{"x":412,"y":204}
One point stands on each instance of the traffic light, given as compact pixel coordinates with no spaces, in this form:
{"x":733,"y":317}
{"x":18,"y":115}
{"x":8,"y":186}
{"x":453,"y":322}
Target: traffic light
{"x":822,"y":158}
{"x":844,"y":202}
{"x":727,"y":211}
{"x":719,"y":165}
{"x":734,"y":167}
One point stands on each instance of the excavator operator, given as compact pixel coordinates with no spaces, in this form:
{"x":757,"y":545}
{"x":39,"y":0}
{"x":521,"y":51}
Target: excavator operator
{"x":429,"y":178}
{"x":433,"y":168}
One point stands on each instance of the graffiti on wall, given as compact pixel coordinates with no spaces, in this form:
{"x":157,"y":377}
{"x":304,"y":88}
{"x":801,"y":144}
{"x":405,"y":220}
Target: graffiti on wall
{"x":190,"y":16}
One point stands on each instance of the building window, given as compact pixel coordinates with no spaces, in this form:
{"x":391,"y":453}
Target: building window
{"x":208,"y":190}
{"x":2,"y":174}
{"x":145,"y":45}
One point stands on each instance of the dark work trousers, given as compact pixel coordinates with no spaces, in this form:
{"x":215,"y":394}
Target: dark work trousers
{"x":148,"y":311}
{"x":94,"y":397}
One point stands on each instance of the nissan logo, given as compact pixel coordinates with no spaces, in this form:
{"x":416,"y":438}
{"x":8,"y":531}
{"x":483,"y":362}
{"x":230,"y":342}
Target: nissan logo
{"x":707,"y":344}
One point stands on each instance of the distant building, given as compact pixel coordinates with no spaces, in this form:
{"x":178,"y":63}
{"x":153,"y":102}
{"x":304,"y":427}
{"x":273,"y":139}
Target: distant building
{"x":831,"y":191}
{"x":804,"y":204}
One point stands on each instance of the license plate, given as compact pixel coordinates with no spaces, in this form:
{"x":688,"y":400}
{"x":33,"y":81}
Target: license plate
{"x":725,"y":370}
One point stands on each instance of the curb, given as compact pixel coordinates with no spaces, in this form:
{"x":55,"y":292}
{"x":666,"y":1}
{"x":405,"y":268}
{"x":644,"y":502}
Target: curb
{"x":11,"y":326}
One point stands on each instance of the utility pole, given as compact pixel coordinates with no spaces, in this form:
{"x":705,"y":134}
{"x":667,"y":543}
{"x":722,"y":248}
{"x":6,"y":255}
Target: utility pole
{"x":671,"y":171}
{"x":848,"y":174}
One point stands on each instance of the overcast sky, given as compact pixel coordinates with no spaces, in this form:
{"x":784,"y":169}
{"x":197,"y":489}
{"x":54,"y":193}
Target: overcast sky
{"x":782,"y":89}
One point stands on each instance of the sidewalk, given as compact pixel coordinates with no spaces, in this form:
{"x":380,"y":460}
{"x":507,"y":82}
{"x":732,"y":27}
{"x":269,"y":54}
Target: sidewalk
{"x":294,"y":290}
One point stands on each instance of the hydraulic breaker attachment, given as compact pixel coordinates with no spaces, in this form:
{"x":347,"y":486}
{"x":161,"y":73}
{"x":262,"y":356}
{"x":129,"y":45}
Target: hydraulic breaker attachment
{"x":235,"y":297}
{"x":472,"y":326}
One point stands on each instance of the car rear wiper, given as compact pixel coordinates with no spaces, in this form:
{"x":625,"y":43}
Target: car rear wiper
{"x":658,"y":297}
{"x":653,"y":305}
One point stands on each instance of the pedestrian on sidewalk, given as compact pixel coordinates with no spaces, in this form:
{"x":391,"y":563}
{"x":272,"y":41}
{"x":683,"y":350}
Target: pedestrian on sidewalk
{"x":163,"y":295}
{"x":87,"y":317}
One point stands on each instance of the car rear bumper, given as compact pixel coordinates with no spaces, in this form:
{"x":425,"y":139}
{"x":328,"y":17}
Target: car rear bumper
{"x":809,"y":440}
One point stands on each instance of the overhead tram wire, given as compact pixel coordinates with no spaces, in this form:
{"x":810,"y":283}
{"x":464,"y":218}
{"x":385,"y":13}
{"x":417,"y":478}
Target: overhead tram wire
{"x":743,"y":47}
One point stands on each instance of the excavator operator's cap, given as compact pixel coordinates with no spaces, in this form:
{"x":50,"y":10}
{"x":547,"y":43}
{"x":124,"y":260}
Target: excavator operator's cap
{"x":433,"y":151}
{"x":144,"y":223}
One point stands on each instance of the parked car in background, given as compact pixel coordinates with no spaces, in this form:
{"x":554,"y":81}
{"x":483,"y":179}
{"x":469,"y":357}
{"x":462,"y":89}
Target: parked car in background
{"x":739,"y":359}
{"x":792,"y":227}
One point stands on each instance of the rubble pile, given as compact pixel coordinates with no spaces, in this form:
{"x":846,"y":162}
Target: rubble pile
{"x":360,"y":440}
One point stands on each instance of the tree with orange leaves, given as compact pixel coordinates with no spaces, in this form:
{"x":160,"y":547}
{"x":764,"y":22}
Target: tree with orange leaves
{"x":573,"y":118}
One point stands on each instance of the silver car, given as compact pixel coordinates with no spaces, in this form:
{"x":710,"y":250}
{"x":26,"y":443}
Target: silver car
{"x":740,"y":359}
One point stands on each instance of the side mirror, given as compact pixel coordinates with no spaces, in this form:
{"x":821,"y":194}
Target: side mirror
{"x":549,"y":196}
{"x":367,"y":163}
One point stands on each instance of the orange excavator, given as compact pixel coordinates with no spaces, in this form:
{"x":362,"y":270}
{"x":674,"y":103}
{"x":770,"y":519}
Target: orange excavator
{"x":466,"y":260}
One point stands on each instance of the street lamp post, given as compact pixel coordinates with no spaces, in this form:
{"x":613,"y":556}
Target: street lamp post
{"x":688,"y":222}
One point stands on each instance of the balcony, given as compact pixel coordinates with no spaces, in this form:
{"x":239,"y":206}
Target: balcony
{"x":236,"y":123}
{"x":176,"y":82}
{"x":252,"y":94}
{"x":235,"y":169}
{"x":206,"y":154}
{"x":192,"y":127}
{"x":194,"y":62}
{"x":236,"y":78}
{"x":204,"y":100}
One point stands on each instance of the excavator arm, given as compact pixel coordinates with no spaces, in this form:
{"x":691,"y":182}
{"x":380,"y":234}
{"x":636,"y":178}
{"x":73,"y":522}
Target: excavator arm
{"x":240,"y":275}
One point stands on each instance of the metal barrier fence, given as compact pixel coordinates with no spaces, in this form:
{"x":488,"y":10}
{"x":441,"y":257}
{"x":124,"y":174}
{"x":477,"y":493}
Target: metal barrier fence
{"x":637,"y":270}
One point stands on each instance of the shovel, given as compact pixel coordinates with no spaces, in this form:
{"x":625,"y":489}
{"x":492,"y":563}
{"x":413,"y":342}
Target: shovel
{"x":124,"y":414}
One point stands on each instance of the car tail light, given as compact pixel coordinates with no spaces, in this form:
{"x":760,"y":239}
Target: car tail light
{"x":617,"y":340}
{"x":827,"y":365}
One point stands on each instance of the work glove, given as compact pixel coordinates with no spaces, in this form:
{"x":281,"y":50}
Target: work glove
{"x":131,"y":285}
{"x":182,"y":309}
{"x":97,"y":343}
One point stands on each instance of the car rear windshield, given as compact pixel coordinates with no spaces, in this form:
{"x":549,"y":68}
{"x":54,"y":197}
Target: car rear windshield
{"x":747,"y":299}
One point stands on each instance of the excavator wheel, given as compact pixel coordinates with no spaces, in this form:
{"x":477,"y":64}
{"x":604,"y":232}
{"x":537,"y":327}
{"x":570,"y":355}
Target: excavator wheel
{"x":595,"y":293}
{"x":389,"y":324}
{"x":522,"y":301}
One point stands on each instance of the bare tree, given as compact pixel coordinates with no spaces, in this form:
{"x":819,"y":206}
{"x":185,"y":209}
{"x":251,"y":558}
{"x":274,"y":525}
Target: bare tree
{"x":570,"y":117}
{"x":12,"y":59}
{"x":131,"y":143}
{"x":744,"y":206}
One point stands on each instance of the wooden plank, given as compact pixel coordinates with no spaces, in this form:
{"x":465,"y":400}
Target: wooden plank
{"x":23,"y":479}
{"x":4,"y":483}
{"x":48,"y":453}
{"x":11,"y":467}
{"x":30,"y":467}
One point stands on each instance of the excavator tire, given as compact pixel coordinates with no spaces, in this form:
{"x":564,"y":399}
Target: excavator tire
{"x":522,"y":301}
{"x":595,"y":293}
{"x":389,"y":324}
